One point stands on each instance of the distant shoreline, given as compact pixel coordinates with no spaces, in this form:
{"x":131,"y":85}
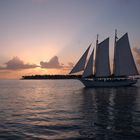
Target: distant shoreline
{"x":49,"y":77}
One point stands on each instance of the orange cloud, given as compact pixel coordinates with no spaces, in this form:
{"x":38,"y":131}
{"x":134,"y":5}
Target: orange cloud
{"x":137,"y":54}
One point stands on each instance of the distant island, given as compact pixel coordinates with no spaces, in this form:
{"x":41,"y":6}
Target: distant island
{"x":51,"y":77}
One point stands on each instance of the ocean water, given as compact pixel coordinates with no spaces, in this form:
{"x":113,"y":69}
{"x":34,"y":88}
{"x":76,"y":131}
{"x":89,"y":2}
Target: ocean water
{"x":64,"y":109}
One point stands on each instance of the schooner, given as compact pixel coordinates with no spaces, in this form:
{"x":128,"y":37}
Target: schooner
{"x":97,"y":73}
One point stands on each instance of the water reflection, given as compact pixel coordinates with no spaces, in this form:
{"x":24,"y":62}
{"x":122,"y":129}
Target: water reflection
{"x":124,"y":110}
{"x":64,"y":110}
{"x":109,"y":113}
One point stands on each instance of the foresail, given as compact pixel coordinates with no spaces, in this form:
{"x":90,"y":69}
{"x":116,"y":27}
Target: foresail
{"x":102,"y":64}
{"x":89,"y":67}
{"x":81,"y":63}
{"x":124,"y":64}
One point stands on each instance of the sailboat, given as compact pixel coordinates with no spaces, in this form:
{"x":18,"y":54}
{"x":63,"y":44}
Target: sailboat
{"x":97,"y":72}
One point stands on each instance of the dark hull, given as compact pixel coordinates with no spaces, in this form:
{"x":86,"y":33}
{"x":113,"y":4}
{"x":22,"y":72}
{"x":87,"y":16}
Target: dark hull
{"x":108,"y":83}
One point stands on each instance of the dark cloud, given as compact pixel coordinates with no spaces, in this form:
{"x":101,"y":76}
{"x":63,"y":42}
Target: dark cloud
{"x":15,"y":64}
{"x":53,"y":63}
{"x":70,"y":64}
{"x":68,"y":67}
{"x":137,"y":55}
{"x":136,"y":50}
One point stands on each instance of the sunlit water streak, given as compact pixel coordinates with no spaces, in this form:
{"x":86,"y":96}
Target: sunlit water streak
{"x":64,"y":109}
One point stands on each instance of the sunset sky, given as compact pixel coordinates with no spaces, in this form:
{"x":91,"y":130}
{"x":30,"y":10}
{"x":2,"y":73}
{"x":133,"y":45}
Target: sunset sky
{"x":48,"y":36}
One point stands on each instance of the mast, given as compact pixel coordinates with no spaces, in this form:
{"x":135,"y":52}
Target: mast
{"x":96,"y":53}
{"x":115,"y":40}
{"x":80,"y":65}
{"x":97,"y":40}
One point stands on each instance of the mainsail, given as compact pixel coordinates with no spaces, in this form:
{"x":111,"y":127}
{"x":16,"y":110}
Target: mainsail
{"x":124,"y":64}
{"x":89,"y":67}
{"x":102,"y":65}
{"x":81,"y":63}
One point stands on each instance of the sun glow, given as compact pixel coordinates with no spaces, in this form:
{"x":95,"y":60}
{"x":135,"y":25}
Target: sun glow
{"x":17,"y":74}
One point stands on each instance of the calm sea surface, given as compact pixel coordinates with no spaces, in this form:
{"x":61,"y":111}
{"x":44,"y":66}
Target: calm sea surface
{"x":64,"y":109}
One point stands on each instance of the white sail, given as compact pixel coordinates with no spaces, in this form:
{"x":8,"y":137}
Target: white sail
{"x":89,"y":67}
{"x":80,"y":65}
{"x":102,"y":65}
{"x":124,"y":64}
